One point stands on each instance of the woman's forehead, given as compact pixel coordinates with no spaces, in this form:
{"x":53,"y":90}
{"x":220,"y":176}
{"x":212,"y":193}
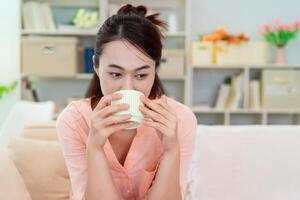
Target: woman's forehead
{"x":124,"y":54}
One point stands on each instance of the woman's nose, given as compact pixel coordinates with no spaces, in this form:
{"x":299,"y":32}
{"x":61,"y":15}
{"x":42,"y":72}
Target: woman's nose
{"x":128,"y":85}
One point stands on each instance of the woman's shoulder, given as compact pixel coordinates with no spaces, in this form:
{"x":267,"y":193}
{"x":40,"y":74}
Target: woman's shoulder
{"x":75,"y":110}
{"x":184,"y":113}
{"x":187,"y":121}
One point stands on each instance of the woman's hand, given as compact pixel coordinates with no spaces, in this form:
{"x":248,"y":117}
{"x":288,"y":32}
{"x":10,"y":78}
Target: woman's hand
{"x":163,"y":118}
{"x":103,"y":123}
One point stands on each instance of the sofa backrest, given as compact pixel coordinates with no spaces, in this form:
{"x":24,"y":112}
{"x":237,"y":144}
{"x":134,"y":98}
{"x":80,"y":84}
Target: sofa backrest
{"x":245,"y":163}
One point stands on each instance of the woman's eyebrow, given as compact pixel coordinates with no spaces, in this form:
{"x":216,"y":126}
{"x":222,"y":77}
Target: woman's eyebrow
{"x":121,"y":68}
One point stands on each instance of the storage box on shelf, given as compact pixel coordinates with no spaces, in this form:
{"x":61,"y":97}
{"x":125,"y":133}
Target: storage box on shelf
{"x":172,"y":63}
{"x":49,"y":56}
{"x":281,"y":89}
{"x":223,"y":53}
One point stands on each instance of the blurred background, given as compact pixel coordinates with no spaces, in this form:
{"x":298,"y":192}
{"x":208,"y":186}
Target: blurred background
{"x":233,"y":62}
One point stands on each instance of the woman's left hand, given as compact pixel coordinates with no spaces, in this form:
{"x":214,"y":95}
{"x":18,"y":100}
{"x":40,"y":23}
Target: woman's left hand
{"x":163,"y":118}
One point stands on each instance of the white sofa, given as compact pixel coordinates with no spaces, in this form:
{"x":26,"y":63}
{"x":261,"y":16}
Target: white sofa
{"x":229,"y":163}
{"x":246,"y":163}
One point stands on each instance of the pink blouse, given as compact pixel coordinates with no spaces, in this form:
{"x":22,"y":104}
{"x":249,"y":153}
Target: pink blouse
{"x":134,"y":178}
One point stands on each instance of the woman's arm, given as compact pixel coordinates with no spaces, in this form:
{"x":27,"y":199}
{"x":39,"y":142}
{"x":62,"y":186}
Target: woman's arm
{"x":84,"y":155}
{"x":166,"y":184}
{"x":171,"y":177}
{"x":100,"y":181}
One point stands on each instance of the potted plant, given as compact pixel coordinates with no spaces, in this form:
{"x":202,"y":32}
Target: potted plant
{"x":7,"y":88}
{"x":280,"y":35}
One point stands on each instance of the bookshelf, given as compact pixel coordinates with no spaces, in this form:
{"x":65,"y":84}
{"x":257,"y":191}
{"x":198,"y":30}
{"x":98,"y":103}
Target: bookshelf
{"x":205,"y":82}
{"x":74,"y":86}
{"x":197,"y":87}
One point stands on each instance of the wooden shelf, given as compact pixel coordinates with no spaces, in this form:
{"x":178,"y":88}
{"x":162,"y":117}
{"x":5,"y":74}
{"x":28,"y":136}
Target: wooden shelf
{"x":73,"y":3}
{"x":60,"y":33}
{"x":172,"y":78}
{"x":87,"y":76}
{"x":84,"y":76}
{"x":156,"y":4}
{"x":199,"y":109}
{"x":264,"y":66}
{"x":176,"y":34}
{"x":82,"y":33}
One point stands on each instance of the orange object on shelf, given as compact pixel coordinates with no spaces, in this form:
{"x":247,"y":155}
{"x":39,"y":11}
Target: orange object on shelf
{"x":222,"y":34}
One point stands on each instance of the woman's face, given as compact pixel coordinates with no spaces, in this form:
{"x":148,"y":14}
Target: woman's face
{"x":124,"y":67}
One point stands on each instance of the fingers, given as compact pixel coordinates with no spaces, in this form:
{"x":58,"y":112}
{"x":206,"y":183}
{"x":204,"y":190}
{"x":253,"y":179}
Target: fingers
{"x":106,"y":101}
{"x":153,"y":115}
{"x":109,"y":110}
{"x":119,"y":127}
{"x":158,"y":126}
{"x":115,"y":119}
{"x":160,"y":106}
{"x":154,"y":106}
{"x":164,"y":104}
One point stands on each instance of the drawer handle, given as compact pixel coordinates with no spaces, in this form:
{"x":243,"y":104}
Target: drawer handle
{"x":48,"y":49}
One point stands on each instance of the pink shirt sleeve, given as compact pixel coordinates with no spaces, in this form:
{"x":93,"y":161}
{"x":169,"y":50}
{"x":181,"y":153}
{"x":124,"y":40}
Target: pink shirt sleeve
{"x":73,"y":148}
{"x":186,"y":134}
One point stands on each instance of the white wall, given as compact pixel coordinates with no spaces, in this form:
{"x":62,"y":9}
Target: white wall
{"x":9,"y":51}
{"x":245,"y":16}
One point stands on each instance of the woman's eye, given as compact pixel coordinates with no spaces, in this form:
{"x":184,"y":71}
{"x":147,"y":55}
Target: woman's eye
{"x":115,"y":75}
{"x":141,"y":76}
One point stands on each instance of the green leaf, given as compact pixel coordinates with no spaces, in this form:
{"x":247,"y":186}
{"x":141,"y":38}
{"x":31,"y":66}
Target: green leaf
{"x":7,"y":88}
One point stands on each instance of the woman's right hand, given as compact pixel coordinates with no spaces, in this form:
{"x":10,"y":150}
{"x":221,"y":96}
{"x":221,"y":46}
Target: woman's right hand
{"x":103,"y":123}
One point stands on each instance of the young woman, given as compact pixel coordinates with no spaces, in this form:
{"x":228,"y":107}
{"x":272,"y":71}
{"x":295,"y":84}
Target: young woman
{"x":104,"y":159}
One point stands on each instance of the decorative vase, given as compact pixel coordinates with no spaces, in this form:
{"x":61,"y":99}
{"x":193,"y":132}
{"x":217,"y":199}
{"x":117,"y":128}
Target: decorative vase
{"x":280,"y":58}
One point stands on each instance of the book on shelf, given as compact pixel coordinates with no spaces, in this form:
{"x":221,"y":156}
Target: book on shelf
{"x":48,"y":17}
{"x":236,"y":93}
{"x":88,"y":60}
{"x":254,"y":95}
{"x":28,"y":92}
{"x":222,"y":96}
{"x":37,"y":16}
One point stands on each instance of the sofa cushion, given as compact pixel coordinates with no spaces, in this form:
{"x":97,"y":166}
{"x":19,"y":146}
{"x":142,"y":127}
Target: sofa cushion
{"x":246,"y":162}
{"x":42,"y":167}
{"x":43,"y":130}
{"x":12,"y":185}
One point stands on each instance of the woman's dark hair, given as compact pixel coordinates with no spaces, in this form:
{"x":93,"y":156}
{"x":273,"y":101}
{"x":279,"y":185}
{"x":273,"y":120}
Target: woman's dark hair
{"x":144,"y":32}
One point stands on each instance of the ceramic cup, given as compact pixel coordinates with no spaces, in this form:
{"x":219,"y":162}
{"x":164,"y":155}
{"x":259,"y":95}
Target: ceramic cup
{"x":131,"y":97}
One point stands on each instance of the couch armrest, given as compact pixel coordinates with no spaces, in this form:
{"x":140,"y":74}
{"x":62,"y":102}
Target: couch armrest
{"x":12,"y":185}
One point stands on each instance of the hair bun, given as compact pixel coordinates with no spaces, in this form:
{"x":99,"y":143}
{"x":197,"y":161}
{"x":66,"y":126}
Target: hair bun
{"x":129,"y":9}
{"x":141,"y":10}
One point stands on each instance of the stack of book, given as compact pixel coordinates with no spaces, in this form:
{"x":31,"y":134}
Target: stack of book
{"x":37,"y":16}
{"x":231,"y":94}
